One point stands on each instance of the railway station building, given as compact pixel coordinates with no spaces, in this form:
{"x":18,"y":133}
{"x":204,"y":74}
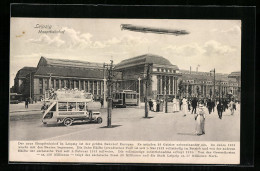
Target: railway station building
{"x":165,"y":78}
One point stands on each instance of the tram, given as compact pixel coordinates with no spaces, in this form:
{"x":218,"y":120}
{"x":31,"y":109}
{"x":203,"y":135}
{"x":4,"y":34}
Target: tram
{"x":125,"y":98}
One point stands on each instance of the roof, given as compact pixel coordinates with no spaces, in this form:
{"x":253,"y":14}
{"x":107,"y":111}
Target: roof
{"x":69,"y":72}
{"x":204,"y":76}
{"x":72,"y":72}
{"x":235,"y":74}
{"x":68,"y":63}
{"x":145,"y":59}
{"x":24,"y":71}
{"x":71,"y":68}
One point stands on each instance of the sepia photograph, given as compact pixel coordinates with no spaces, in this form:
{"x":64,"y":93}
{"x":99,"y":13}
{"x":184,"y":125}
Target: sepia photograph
{"x":126,"y":80}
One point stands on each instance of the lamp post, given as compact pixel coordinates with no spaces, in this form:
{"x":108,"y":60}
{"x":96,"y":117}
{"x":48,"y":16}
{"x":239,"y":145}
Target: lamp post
{"x":214,"y":80}
{"x":30,"y":86}
{"x":139,"y":90}
{"x":109,"y":106}
{"x":108,"y":86}
{"x":105,"y":86}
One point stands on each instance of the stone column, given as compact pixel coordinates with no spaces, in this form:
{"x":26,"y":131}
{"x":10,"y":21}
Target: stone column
{"x":84,"y":85}
{"x":79,"y":85}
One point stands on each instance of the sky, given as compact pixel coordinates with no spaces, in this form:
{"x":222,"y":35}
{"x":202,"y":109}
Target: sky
{"x":209,"y":44}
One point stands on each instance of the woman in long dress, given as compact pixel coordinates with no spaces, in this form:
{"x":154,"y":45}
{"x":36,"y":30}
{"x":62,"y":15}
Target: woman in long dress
{"x":154,"y":105}
{"x":200,"y":120}
{"x":184,"y":106}
{"x":178,"y":105}
{"x":174,"y":105}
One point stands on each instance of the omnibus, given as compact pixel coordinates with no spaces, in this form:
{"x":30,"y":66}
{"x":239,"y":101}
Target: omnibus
{"x":125,"y":98}
{"x":69,"y":106}
{"x":68,"y":112}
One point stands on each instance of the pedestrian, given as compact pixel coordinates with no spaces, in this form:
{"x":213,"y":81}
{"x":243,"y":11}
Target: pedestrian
{"x":158,"y":106}
{"x":231,"y":106}
{"x":102,"y":102}
{"x":189,"y":105}
{"x":200,"y":121}
{"x":213,"y":105}
{"x":150,"y":104}
{"x":220,"y":109}
{"x":174,"y":104}
{"x":194,"y":105}
{"x":234,"y":106}
{"x":177,"y":104}
{"x":154,"y":105}
{"x":209,"y":105}
{"x":184,"y":106}
{"x":180,"y":103}
{"x":224,"y":105}
{"x":26,"y":103}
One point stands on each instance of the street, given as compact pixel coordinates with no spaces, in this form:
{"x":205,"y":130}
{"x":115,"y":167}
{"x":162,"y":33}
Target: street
{"x":128,"y":124}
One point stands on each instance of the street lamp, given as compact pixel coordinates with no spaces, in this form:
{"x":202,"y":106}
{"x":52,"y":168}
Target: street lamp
{"x":214,"y":80}
{"x":105,"y":86}
{"x":139,"y":90}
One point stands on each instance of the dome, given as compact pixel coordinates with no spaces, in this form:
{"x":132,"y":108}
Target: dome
{"x":145,"y":59}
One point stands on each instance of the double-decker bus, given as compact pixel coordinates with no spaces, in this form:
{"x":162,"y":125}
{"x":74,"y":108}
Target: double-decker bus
{"x":125,"y":98}
{"x":70,"y":106}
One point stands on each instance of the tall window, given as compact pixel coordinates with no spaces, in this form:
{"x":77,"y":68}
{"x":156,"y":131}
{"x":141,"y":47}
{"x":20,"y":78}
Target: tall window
{"x":86,"y":85}
{"x":82,"y":85}
{"x":71,"y":84}
{"x":57,"y":84}
{"x":46,"y":82}
{"x":95,"y":87}
{"x":77,"y":84}
{"x":90,"y":86}
{"x":52,"y":83}
{"x":62,"y":84}
{"x":40,"y":85}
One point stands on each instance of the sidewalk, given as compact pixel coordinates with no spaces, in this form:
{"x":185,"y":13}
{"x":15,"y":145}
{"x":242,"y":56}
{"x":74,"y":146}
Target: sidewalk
{"x":20,"y":107}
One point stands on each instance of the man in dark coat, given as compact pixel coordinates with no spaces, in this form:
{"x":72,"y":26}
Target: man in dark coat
{"x":157,"y":105}
{"x":209,"y":105}
{"x":224,"y":105}
{"x":220,"y":109}
{"x":150,"y":104}
{"x":194,"y":103}
{"x":213,"y":105}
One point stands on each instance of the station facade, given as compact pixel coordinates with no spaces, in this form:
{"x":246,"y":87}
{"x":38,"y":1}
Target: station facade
{"x":201,"y":84}
{"x":130,"y":74}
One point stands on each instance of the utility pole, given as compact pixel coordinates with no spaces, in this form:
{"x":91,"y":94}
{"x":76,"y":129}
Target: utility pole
{"x":30,"y":87}
{"x":214,"y":83}
{"x":165,"y":95}
{"x":109,"y":106}
{"x":147,"y":83}
{"x":139,"y":89}
{"x":105,"y":86}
